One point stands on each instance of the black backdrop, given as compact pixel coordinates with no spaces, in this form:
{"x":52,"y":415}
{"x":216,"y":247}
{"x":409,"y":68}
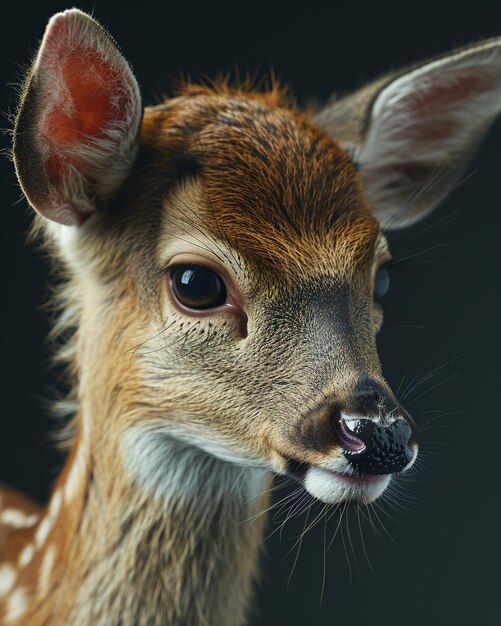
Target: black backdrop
{"x":436,"y":560}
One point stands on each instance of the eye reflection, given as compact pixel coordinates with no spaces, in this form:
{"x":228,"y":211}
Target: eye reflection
{"x":198,"y":287}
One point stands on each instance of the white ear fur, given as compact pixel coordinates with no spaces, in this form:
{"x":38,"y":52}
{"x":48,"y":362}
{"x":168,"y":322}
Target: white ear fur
{"x":431,"y":118}
{"x":76,"y":132}
{"x":419,"y":130}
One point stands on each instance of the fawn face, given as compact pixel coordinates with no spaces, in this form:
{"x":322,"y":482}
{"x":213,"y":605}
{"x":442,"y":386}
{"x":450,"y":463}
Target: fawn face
{"x":268,"y":313}
{"x":268,"y":298}
{"x":227,"y":256}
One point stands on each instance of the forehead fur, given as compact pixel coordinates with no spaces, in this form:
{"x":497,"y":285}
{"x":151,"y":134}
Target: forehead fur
{"x":275,"y":188}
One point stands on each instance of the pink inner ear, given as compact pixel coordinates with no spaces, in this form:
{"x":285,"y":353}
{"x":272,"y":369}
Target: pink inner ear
{"x":433,"y":113}
{"x":461,"y":87}
{"x":97,"y":98}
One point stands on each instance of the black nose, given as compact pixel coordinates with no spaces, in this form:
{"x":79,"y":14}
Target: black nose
{"x":372,"y":448}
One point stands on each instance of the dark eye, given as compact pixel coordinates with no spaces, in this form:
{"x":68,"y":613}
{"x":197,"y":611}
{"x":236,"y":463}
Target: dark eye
{"x":198,"y":287}
{"x":382,"y":283}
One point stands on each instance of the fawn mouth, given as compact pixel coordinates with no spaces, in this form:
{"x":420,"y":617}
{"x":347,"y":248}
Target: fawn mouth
{"x":358,"y":479}
{"x":334,"y":487}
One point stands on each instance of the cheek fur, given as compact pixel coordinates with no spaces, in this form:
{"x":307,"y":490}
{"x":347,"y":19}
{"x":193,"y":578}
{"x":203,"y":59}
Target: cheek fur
{"x":377,"y":317}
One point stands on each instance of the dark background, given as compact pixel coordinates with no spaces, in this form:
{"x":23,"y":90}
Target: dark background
{"x":436,"y":561}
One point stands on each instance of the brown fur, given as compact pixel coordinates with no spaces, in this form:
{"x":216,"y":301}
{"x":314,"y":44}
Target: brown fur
{"x":270,"y":203}
{"x":274,"y":186}
{"x":182,"y":415}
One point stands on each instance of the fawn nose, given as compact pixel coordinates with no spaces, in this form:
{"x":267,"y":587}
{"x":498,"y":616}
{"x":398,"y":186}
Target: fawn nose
{"x":375,"y":445}
{"x":373,"y":448}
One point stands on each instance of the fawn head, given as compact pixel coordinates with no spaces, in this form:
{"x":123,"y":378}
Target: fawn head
{"x":226,"y":254}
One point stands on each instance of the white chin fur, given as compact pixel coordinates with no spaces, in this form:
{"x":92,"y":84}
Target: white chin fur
{"x":331,"y":488}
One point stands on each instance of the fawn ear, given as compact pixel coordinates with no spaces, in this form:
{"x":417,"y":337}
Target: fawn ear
{"x":412,"y":133}
{"x":76,"y":131}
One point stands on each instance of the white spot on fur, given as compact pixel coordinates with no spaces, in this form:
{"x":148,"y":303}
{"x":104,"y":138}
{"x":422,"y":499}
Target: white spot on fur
{"x":75,"y":475}
{"x":26,"y":555}
{"x":47,"y":523}
{"x":46,"y":570}
{"x":16,"y":605}
{"x":18,"y":519}
{"x":7,"y":578}
{"x":55,"y":504}
{"x":43,"y":530}
{"x":72,"y":481}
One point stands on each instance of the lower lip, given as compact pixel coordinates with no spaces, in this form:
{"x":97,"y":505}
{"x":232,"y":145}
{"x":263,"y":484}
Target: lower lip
{"x":364,"y":479}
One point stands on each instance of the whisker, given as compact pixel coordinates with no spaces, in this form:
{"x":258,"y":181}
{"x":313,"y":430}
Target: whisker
{"x":324,"y":570}
{"x":363,"y":541}
{"x":299,"y":548}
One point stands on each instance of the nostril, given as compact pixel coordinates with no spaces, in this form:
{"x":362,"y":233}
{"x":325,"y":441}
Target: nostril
{"x":346,"y":436}
{"x":374,"y":448}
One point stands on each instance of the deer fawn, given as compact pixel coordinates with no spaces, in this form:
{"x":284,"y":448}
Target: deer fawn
{"x":225,"y":260}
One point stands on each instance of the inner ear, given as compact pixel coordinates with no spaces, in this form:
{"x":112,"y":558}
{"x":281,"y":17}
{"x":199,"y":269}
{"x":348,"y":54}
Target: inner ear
{"x":414,"y":132}
{"x":76,"y":132}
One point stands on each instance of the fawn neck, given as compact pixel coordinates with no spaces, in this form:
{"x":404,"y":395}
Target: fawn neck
{"x":177,"y":548}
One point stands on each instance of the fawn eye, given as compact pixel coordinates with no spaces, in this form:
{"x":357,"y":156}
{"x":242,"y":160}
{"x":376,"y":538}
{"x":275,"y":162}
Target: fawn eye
{"x":198,"y":287}
{"x":381,"y":283}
